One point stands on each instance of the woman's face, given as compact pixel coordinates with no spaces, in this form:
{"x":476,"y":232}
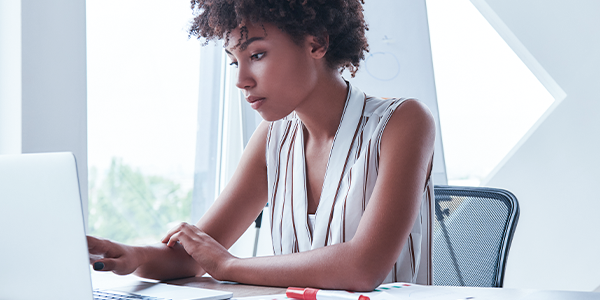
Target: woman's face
{"x":275,"y":74}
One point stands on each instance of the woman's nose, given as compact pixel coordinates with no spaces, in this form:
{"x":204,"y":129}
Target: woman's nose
{"x":245,"y":80}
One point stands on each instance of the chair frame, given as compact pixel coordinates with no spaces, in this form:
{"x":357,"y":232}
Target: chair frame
{"x":509,"y":229}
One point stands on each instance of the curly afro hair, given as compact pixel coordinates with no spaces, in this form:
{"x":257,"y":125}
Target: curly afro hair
{"x":341,"y":20}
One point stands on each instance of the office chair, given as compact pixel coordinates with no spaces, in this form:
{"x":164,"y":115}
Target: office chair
{"x":473,"y":230}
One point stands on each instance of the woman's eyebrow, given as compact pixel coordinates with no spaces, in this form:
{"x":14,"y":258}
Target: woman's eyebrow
{"x":247,"y":43}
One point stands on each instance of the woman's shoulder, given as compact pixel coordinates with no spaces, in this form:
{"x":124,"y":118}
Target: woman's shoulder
{"x":380,"y":106}
{"x":410,"y":118}
{"x":413,"y":110}
{"x":398,"y":119}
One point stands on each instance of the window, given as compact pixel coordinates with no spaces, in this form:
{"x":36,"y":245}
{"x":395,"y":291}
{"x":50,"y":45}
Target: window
{"x":488,"y":99}
{"x":142,"y":108}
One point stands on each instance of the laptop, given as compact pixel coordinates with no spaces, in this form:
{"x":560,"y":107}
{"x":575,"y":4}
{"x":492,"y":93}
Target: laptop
{"x":43,"y":252}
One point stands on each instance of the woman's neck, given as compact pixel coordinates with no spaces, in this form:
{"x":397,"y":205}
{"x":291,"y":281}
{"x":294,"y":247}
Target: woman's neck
{"x":322,"y":111}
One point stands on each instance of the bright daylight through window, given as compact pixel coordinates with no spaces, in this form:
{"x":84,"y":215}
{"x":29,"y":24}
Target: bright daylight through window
{"x":487,"y":98}
{"x":142,"y":108}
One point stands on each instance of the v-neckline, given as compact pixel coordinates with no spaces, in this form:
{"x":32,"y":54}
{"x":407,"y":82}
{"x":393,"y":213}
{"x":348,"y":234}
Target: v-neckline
{"x":334,"y":170}
{"x":305,"y":167}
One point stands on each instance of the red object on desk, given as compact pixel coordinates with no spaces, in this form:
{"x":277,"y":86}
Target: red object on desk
{"x":316,"y":294}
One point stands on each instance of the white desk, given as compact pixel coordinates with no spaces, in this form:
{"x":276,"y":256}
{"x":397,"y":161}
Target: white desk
{"x":107,"y":280}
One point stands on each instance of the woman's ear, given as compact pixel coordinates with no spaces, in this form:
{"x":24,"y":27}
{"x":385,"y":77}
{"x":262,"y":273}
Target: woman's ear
{"x":318,"y":45}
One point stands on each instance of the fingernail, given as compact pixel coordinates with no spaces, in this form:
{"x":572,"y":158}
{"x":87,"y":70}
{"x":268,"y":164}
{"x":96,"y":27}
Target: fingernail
{"x":98,"y":266}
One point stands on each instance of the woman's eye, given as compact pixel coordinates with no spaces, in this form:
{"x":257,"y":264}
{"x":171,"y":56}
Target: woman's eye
{"x":234,"y":64}
{"x":257,"y":56}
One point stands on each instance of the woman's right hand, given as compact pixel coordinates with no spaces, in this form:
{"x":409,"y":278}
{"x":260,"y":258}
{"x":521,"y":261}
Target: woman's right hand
{"x":107,"y":255}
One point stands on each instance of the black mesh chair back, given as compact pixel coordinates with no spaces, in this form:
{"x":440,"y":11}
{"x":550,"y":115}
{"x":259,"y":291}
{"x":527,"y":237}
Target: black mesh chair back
{"x":472,"y":232}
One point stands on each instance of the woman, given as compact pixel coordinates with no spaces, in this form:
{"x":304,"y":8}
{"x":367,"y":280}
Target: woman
{"x":344,"y":174}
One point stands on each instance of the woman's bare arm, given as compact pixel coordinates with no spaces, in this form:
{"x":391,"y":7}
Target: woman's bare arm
{"x":364,"y":262}
{"x":241,"y":200}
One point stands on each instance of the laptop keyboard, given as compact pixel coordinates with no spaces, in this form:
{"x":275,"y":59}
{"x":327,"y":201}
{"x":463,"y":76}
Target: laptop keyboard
{"x":103,"y":295}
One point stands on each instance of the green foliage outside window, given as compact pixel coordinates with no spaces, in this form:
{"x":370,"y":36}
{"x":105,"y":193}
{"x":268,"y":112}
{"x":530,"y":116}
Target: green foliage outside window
{"x":130,"y":207}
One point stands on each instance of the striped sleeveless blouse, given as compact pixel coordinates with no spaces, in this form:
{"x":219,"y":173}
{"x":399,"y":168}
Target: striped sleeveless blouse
{"x":349,"y":181}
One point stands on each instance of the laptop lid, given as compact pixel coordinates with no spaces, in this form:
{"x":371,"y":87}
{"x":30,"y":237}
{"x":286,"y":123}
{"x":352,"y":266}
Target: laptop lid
{"x":44,"y":252}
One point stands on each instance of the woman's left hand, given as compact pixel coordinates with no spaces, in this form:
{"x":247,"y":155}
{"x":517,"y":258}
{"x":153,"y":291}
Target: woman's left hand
{"x":209,"y":254}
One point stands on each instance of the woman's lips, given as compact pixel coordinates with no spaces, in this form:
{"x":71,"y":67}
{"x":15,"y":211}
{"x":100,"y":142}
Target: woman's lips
{"x":255,"y":102}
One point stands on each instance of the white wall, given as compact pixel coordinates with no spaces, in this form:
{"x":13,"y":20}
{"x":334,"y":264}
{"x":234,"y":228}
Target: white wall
{"x":553,"y":170}
{"x":43,"y":55}
{"x":399,"y":62}
{"x":10,"y":77}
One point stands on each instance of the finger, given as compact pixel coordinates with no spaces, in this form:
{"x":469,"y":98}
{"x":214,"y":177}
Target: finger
{"x":168,"y":236}
{"x":174,"y":239}
{"x":96,"y":246}
{"x":92,"y":242}
{"x":100,"y":248}
{"x":181,"y":238}
{"x":105,"y":264}
{"x":95,"y":257}
{"x":173,"y":231}
{"x":111,"y":264}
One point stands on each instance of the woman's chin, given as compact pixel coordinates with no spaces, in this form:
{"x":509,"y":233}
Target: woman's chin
{"x":270,"y":117}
